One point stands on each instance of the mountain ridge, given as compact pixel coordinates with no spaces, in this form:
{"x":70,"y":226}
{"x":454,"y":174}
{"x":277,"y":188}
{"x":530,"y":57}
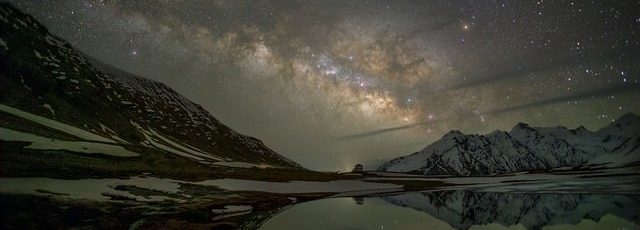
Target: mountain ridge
{"x":525,"y":148}
{"x":43,"y":76}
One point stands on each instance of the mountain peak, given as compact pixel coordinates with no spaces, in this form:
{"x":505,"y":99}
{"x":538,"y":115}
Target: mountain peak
{"x":627,"y":124}
{"x":580,"y":130}
{"x":629,"y":118}
{"x":521,"y":126}
{"x":452,"y":134}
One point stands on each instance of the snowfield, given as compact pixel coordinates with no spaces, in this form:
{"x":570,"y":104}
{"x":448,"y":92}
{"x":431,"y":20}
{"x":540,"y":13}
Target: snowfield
{"x":152,"y":137}
{"x":80,"y":133}
{"x":89,"y":189}
{"x":238,"y":164}
{"x":525,"y":148}
{"x":173,"y":147}
{"x":231,"y":210}
{"x":45,"y":143}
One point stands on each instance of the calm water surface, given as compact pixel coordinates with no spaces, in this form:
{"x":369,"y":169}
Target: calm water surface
{"x":464,"y":210}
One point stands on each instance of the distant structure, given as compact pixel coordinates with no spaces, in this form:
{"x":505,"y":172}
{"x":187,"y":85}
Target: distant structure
{"x":358,"y":168}
{"x":359,"y":200}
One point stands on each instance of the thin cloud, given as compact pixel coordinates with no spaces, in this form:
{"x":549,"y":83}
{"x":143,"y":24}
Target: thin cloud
{"x":618,"y":89}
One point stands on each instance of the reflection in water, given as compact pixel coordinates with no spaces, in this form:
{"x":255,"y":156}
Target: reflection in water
{"x":358,"y":199}
{"x":464,"y":210}
{"x":344,"y":213}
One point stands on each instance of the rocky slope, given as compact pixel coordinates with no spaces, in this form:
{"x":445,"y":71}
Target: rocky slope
{"x":43,"y":78}
{"x":525,"y":148}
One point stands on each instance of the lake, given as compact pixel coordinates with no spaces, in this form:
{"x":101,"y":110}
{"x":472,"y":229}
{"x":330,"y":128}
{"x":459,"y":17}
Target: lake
{"x":463,"y":209}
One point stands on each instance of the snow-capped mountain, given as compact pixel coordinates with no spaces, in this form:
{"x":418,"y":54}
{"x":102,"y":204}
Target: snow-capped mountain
{"x":463,"y":208}
{"x":525,"y":148}
{"x":51,"y":88}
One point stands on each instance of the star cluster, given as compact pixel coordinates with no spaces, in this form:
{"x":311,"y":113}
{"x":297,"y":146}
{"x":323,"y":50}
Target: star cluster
{"x":364,"y":81}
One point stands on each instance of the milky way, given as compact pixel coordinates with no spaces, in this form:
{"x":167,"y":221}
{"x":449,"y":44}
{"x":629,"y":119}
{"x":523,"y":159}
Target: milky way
{"x":334,"y":83}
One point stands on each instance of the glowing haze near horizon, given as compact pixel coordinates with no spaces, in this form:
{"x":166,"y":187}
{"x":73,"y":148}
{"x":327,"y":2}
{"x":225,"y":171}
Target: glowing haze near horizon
{"x":333,"y":83}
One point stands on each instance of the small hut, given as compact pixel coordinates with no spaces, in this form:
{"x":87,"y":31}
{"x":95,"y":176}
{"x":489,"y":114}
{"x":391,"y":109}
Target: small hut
{"x":359,"y":168}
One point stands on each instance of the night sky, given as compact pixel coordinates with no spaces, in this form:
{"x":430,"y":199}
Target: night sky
{"x":334,"y":83}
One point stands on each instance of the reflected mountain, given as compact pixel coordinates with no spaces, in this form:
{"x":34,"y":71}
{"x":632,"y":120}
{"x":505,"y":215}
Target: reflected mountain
{"x":463,"y":209}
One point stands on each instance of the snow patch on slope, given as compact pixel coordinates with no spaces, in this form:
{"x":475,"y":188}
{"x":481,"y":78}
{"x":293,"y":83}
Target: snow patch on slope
{"x":113,"y":134}
{"x":176,"y":149}
{"x":55,"y":124}
{"x":3,"y":44}
{"x":47,"y":106}
{"x":193,"y":151}
{"x":44,"y":143}
{"x":238,"y":164}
